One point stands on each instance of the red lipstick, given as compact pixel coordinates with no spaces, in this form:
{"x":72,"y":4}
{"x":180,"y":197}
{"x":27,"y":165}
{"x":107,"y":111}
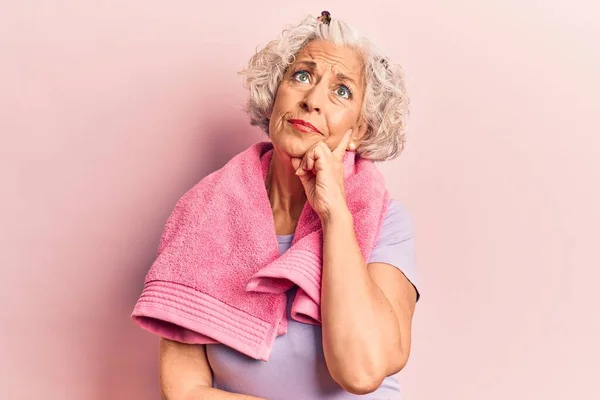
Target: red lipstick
{"x":303,"y":126}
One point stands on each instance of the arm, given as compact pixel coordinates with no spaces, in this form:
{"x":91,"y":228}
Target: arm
{"x":366,"y":310}
{"x":186,"y":375}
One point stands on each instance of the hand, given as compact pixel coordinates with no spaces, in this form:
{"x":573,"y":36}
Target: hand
{"x":322,"y":174}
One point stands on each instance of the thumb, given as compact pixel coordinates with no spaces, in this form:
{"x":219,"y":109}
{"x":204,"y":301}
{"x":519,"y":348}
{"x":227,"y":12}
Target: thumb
{"x":305,"y":179}
{"x":296,"y":163}
{"x":300,"y":173}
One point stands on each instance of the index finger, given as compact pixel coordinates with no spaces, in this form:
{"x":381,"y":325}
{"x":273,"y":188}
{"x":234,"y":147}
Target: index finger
{"x":341,"y":148}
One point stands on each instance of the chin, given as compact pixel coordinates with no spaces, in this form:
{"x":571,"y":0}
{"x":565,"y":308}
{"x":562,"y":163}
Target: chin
{"x":295,"y":145}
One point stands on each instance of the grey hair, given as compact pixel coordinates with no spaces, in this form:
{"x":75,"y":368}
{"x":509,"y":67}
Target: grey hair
{"x":385,"y":105}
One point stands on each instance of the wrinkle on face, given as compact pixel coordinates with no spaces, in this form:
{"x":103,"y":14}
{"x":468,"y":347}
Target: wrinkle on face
{"x":335,"y":114}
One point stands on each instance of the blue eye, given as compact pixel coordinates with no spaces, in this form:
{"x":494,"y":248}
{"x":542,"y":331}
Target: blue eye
{"x":301,"y":76}
{"x":344,"y":91}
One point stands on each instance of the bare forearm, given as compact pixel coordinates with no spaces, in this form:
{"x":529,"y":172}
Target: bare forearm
{"x":215,"y":394}
{"x":185,"y":374}
{"x":360,"y":330}
{"x":208,"y":393}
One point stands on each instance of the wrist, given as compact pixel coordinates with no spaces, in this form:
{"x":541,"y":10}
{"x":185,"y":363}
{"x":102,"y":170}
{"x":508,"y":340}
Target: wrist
{"x":339,"y":214}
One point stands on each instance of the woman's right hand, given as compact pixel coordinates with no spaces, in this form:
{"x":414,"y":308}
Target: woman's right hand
{"x":185,"y":374}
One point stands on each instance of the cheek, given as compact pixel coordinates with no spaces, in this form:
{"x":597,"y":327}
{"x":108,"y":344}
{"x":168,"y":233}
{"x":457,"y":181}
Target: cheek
{"x":280,"y":109}
{"x":341,"y":119}
{"x":282,"y":98}
{"x":275,"y":108}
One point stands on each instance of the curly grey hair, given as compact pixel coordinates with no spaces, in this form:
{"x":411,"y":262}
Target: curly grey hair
{"x":385,"y":105}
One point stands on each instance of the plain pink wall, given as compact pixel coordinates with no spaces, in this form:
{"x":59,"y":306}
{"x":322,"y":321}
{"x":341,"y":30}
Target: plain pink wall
{"x":109,"y":111}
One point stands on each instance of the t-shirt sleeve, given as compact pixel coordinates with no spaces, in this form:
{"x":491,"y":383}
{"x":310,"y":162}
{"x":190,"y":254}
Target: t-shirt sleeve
{"x":396,"y":245}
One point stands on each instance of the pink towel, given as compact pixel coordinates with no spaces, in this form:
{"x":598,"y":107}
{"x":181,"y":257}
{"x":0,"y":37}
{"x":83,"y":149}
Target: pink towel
{"x":218,"y":276}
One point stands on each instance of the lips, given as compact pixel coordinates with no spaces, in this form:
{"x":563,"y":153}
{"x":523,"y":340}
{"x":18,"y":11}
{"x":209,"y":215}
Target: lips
{"x":303,"y":126}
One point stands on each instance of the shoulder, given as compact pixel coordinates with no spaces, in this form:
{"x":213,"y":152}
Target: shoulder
{"x":396,"y":242}
{"x":397,"y":224}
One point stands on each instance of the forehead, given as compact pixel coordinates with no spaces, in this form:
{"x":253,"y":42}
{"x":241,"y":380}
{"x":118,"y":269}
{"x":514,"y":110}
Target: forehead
{"x":341,"y":59}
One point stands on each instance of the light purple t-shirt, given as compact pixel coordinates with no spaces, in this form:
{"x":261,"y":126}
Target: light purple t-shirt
{"x":296,"y":368}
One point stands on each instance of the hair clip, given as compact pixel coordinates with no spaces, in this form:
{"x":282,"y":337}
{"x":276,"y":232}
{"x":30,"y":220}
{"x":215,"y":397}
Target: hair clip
{"x":325,"y":17}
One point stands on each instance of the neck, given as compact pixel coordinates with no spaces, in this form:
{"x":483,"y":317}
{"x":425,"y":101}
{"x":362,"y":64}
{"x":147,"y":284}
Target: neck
{"x":286,"y":193}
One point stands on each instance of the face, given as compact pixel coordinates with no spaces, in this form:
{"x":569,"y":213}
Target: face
{"x":320,"y":97}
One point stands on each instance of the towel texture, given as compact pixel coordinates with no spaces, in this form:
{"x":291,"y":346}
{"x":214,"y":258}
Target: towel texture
{"x":218,"y":276}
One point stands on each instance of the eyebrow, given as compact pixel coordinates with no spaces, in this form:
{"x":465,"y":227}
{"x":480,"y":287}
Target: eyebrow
{"x":340,"y":76}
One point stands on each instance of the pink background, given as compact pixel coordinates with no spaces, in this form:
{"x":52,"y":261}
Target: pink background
{"x":110,"y":110}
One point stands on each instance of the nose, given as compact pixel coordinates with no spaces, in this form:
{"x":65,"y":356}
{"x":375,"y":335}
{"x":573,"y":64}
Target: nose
{"x":314,"y":100}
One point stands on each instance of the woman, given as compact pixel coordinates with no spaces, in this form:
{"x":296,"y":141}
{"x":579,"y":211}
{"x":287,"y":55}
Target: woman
{"x":325,"y":97}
